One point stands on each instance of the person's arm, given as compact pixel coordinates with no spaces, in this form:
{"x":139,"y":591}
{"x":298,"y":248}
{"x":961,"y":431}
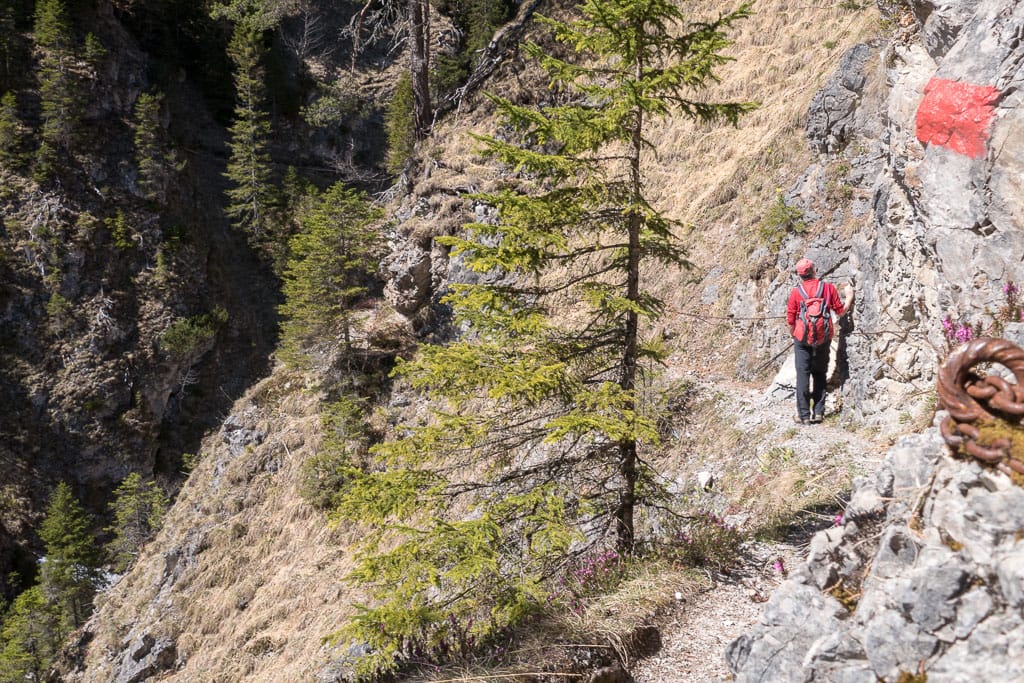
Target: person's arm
{"x":843,"y":307}
{"x":792,"y":308}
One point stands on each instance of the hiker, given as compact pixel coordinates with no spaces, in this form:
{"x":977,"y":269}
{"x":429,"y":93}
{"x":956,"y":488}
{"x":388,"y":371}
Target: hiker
{"x":809,"y":315}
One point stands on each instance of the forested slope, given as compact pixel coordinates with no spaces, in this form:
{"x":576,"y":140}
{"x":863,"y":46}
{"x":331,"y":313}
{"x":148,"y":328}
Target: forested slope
{"x":196,"y":291}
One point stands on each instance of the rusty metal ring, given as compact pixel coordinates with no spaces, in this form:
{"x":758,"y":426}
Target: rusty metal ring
{"x":956,"y":373}
{"x":971,"y":399}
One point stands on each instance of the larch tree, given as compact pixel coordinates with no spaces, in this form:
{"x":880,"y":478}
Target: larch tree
{"x":534,"y":453}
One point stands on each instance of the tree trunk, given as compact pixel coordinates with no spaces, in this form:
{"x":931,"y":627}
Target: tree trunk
{"x":626,"y":534}
{"x":419,"y":66}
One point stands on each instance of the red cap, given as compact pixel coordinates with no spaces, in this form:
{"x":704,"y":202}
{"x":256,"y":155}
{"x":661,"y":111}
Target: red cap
{"x":804,"y":267}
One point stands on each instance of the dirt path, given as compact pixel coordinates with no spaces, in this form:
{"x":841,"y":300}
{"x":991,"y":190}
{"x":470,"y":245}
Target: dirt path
{"x":696,"y":633}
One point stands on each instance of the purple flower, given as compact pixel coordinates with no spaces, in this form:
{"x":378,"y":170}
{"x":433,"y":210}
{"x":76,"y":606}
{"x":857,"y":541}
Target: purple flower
{"x":838,"y":520}
{"x":964,"y":334}
{"x":777,"y":566}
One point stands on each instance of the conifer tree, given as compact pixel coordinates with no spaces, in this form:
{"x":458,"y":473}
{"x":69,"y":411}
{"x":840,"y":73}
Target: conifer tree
{"x":10,"y":46}
{"x":60,"y":101}
{"x":156,"y":162}
{"x":333,"y":260}
{"x":419,"y":67}
{"x":10,"y":131}
{"x":69,"y":575}
{"x":540,"y":429}
{"x":30,"y":638}
{"x":252,"y":196}
{"x":399,"y":125}
{"x":138,"y":508}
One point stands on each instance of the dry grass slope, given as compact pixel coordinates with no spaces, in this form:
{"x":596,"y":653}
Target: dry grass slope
{"x":247,"y":578}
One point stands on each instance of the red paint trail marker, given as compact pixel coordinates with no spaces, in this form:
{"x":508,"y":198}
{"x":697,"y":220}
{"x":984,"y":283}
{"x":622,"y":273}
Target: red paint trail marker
{"x":956,"y":116}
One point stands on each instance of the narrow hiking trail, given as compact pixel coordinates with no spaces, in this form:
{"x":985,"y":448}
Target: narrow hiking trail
{"x":763,"y":453}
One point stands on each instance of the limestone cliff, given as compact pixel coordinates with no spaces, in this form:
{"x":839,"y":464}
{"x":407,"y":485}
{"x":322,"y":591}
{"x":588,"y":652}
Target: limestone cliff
{"x":923,"y":579}
{"x":923,"y":134}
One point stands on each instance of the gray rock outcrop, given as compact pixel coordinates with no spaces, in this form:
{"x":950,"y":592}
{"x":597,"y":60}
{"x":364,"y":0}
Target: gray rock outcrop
{"x":917,"y":196}
{"x":926,"y":574}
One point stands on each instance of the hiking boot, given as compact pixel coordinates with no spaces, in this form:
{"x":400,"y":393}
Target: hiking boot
{"x":800,"y":420}
{"x":817,"y":419}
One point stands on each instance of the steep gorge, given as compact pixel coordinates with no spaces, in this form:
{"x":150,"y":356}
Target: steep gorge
{"x":245,"y":579}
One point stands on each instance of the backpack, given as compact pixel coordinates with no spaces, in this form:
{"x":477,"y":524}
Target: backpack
{"x":814,"y":324}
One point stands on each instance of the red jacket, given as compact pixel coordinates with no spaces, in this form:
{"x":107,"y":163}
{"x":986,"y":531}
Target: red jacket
{"x":811,"y":288}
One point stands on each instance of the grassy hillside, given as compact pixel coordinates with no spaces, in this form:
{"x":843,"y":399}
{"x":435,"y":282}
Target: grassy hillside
{"x":246,"y":578}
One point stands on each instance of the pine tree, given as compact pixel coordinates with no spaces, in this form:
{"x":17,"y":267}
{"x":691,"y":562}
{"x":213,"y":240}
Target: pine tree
{"x":333,"y":260}
{"x":30,"y":638}
{"x":541,"y":427}
{"x":138,"y":508}
{"x":252,"y":197}
{"x":69,"y":575}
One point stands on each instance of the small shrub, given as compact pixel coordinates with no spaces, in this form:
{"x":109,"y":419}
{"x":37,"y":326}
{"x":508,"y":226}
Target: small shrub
{"x":707,"y":541}
{"x":780,"y":220}
{"x":189,"y":461}
{"x":346,"y":434}
{"x":846,"y":597}
{"x":120,"y":231}
{"x":58,"y":308}
{"x":185,"y":337}
{"x":595,"y":574}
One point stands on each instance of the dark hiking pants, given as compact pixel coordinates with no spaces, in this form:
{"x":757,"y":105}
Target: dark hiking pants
{"x":811,"y":372}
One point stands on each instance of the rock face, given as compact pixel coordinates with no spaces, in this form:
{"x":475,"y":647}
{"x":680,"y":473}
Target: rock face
{"x":925,"y":574}
{"x":918,"y":184}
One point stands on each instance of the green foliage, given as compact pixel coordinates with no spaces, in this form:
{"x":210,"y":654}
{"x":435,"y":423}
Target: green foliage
{"x":11,"y":47}
{"x":346,"y":438}
{"x":186,"y":337}
{"x":706,"y":540}
{"x":52,"y":30}
{"x":119,"y":230}
{"x":157,"y":163}
{"x":399,"y":125}
{"x":93,"y":53}
{"x":254,"y":15}
{"x":252,"y":196}
{"x":59,"y":93}
{"x":10,"y":131}
{"x":534,"y":453}
{"x":476,"y":21}
{"x":69,"y":575}
{"x":58,"y":309}
{"x":138,"y":509}
{"x":333,"y":260}
{"x":780,"y":220}
{"x":30,"y":638}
